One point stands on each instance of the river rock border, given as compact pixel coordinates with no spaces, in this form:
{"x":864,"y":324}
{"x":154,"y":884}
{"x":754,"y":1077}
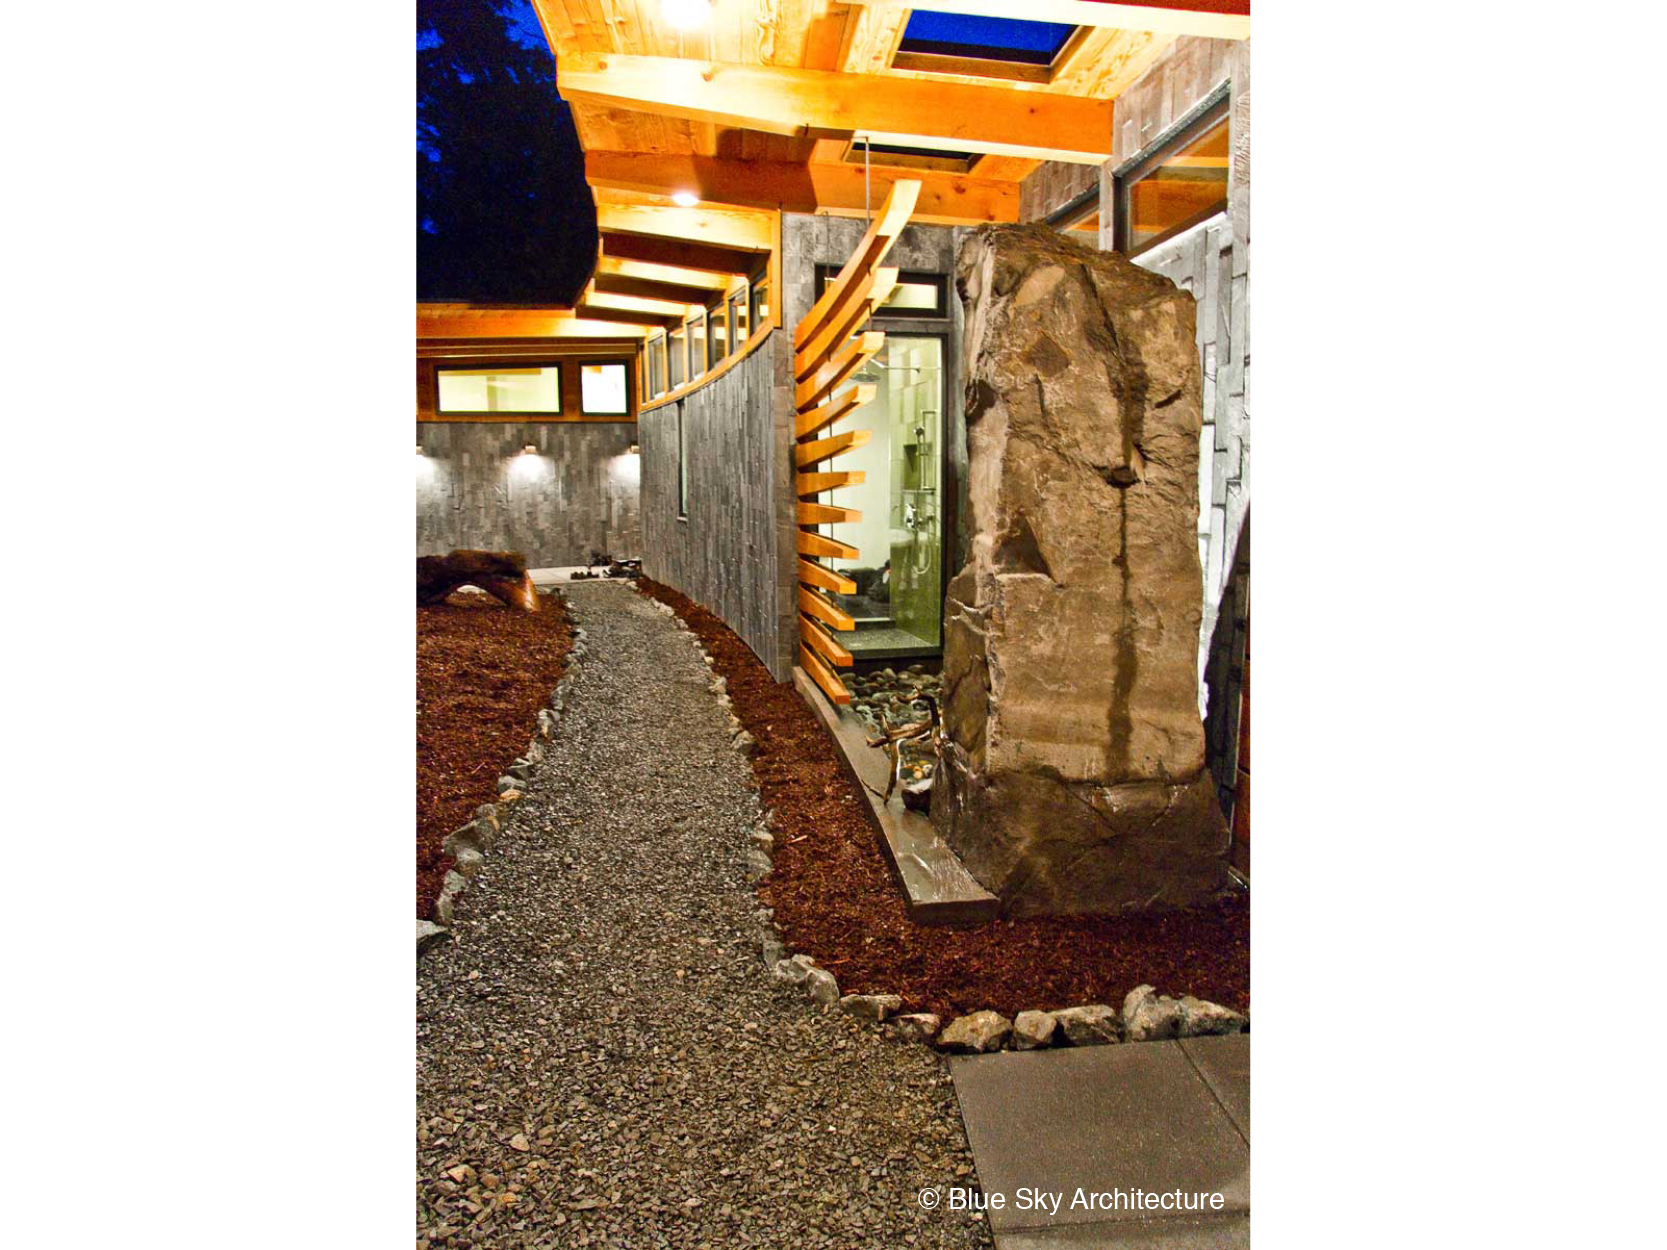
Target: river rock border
{"x":469,"y":845}
{"x":1146,"y":1015}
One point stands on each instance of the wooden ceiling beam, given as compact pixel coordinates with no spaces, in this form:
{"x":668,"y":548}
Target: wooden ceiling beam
{"x":919,"y":112}
{"x":1208,"y":19}
{"x":1004,"y":168}
{"x":629,"y":316}
{"x":520,"y":323}
{"x":658,"y":251}
{"x":670,"y":275}
{"x":717,"y":227}
{"x":643,"y":288}
{"x":945,"y":199}
{"x":639,"y":304}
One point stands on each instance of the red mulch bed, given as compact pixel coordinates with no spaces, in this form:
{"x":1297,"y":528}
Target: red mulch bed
{"x":483,"y":671}
{"x":835,"y":898}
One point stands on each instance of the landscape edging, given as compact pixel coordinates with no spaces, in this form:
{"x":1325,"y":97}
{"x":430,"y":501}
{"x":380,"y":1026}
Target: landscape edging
{"x":469,"y":844}
{"x":1088,"y":1024}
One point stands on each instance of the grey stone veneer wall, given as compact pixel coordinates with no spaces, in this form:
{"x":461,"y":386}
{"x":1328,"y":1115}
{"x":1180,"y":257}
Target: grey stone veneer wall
{"x":734,"y":552}
{"x":1213,"y":262}
{"x":580,"y":495}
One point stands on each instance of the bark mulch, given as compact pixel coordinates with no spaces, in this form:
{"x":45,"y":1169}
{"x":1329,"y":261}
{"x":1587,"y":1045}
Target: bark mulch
{"x":835,"y":898}
{"x":483,"y":671}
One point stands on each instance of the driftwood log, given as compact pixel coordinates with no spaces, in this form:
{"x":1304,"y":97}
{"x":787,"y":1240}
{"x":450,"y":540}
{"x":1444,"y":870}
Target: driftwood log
{"x":501,"y":574}
{"x":917,"y":795}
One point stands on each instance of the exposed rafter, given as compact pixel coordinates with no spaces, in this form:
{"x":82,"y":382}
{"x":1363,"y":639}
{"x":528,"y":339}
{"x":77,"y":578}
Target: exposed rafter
{"x":671,"y":275}
{"x":451,"y":322}
{"x":945,"y":199}
{"x":912,"y":111}
{"x":642,"y":288}
{"x":660,"y":252}
{"x":717,"y":227}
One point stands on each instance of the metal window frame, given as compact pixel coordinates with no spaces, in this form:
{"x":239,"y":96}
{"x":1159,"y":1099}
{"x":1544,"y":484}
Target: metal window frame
{"x":1197,"y":121}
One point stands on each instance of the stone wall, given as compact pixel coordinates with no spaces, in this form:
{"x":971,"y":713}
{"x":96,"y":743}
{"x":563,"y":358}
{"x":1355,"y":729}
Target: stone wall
{"x":475,"y":489}
{"x":734,"y":553}
{"x":1052,"y":185}
{"x":1212,"y":261}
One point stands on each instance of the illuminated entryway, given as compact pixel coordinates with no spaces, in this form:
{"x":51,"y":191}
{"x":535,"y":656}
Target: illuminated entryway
{"x":898,"y":606}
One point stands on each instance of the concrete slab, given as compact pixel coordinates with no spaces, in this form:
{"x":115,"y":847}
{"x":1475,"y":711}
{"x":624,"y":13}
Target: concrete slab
{"x":1227,"y":1233}
{"x":1224,"y":1063}
{"x":937,"y":888}
{"x":1103,"y":1120}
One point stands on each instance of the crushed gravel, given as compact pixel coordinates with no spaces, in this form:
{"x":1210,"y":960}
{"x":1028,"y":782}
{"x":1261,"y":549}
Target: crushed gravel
{"x":601,"y":1058}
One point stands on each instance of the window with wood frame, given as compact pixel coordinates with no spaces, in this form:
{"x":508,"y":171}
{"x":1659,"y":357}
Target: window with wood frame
{"x":604,"y":388}
{"x":654,"y":365}
{"x":517,"y":388}
{"x":1181,"y":183}
{"x":677,"y":368}
{"x":759,"y":297}
{"x":738,"y":317}
{"x":696,"y":327}
{"x":717,"y":333}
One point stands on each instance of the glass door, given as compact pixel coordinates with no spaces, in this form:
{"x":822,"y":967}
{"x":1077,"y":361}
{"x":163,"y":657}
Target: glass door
{"x":898,"y":604}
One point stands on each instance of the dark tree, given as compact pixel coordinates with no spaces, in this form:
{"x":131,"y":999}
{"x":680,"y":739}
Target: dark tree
{"x":504,"y":214}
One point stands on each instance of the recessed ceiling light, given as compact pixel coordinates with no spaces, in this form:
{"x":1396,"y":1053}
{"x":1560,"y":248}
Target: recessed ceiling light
{"x":686,"y":14}
{"x":685,"y":199}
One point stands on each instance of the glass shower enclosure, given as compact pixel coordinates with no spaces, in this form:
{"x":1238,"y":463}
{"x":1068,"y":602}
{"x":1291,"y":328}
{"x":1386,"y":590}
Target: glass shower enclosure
{"x":898,"y":605}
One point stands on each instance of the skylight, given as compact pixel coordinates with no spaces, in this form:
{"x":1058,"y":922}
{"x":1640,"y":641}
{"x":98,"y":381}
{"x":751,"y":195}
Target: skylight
{"x":989,"y":38}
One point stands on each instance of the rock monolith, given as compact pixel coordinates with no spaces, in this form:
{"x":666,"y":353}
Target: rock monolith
{"x":1073,"y":774}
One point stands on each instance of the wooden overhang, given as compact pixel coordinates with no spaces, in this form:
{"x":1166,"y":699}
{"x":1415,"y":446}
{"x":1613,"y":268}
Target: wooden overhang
{"x":770,"y":106}
{"x":765,"y":104}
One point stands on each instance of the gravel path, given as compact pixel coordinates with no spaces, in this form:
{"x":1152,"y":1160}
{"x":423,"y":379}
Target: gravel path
{"x":601,"y":1057}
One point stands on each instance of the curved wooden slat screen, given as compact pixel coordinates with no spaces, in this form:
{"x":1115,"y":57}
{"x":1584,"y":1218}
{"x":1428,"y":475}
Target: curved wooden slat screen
{"x":828,"y":350}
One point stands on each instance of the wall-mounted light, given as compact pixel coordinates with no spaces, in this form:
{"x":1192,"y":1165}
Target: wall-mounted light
{"x":633,"y":450}
{"x":685,"y":199}
{"x":686,"y":14}
{"x":420,"y":449}
{"x":526,"y":463}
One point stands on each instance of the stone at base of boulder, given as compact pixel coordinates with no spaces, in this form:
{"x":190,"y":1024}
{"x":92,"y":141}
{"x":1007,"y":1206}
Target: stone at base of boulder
{"x":1202,"y":1019}
{"x":429,"y":934}
{"x":871,"y":1006}
{"x":1150,"y":1017}
{"x":789,"y":972}
{"x":1092,"y":1025}
{"x":1033,"y":1029}
{"x":1045,"y":847}
{"x":920,"y":1026}
{"x":820,"y":986}
{"x":976,"y":1034}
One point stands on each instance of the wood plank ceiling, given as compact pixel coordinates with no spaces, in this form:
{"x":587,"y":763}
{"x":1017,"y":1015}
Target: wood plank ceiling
{"x":756,"y":110}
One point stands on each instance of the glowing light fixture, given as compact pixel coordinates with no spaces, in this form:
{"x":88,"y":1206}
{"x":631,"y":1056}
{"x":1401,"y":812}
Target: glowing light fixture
{"x":686,"y":14}
{"x":685,"y":199}
{"x":633,"y":450}
{"x":529,"y":450}
{"x":419,"y":449}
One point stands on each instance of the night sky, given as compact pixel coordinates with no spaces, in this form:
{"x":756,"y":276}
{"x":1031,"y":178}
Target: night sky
{"x":503,"y":211}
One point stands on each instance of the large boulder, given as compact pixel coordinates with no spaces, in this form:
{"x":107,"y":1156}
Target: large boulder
{"x":1073,"y":775}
